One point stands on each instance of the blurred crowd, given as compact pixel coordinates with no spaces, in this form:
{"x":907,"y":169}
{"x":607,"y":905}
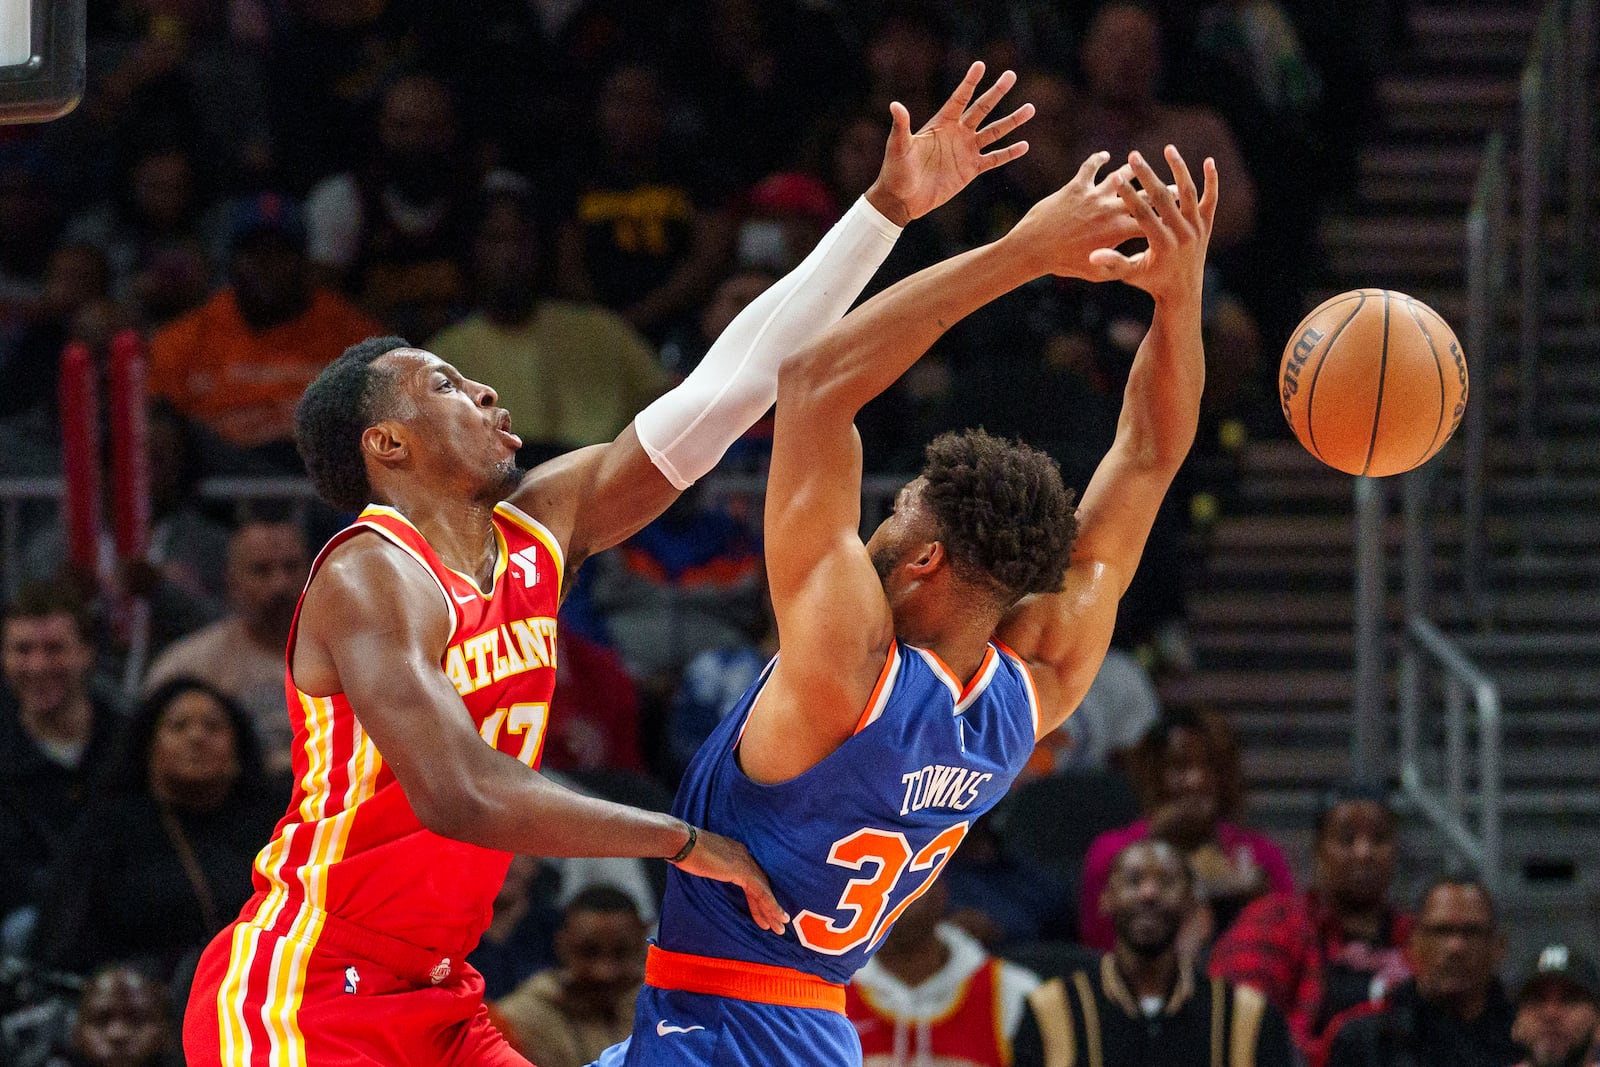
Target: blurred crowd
{"x":569,"y":199}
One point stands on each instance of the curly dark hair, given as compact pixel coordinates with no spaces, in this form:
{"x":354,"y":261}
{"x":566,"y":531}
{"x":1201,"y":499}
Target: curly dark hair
{"x":336,"y":408}
{"x":1004,"y":515}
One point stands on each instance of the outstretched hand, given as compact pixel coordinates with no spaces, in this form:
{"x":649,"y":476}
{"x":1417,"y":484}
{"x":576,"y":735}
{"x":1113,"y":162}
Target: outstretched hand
{"x":922,"y":171}
{"x":725,"y":860}
{"x":1176,"y":222}
{"x":1060,"y":233}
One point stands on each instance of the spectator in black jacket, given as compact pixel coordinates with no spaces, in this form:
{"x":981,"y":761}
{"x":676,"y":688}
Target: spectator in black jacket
{"x":1453,"y":1013}
{"x":161,"y":859}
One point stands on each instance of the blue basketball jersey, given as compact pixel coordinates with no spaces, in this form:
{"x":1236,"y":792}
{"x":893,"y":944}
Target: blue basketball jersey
{"x":851,"y":842}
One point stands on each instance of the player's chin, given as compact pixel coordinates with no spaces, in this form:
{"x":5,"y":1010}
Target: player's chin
{"x":505,"y":476}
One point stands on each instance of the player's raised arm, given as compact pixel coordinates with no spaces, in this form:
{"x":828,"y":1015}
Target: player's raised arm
{"x":596,"y":497}
{"x":834,"y":621}
{"x":1065,"y":635}
{"x":386,"y":662}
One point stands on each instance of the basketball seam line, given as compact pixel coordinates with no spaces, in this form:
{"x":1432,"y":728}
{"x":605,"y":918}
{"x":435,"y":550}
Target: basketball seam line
{"x":1311,"y":393}
{"x":1426,"y":336}
{"x":1383,"y":371}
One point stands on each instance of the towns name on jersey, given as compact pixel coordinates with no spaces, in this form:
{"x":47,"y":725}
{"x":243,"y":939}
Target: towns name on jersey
{"x":938,"y":786}
{"x":496,"y":654}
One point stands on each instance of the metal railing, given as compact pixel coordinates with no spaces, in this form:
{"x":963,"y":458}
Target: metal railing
{"x":1460,"y":679}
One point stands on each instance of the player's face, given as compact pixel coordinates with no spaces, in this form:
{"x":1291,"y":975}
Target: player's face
{"x":908,"y":526}
{"x":1355,"y":854}
{"x":457,"y":429}
{"x":1147,"y":897}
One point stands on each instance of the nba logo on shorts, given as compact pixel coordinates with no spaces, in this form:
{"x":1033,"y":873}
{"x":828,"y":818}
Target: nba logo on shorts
{"x":351,"y":979}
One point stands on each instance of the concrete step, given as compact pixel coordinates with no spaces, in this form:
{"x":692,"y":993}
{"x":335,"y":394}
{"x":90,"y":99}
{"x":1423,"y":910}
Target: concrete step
{"x":1552,"y":611}
{"x":1523,"y":690}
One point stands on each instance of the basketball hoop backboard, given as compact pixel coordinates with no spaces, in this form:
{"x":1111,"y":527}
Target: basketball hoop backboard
{"x":41,"y":59}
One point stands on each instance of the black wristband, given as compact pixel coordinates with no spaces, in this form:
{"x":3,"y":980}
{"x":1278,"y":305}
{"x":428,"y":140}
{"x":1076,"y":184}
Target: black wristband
{"x":688,"y":846}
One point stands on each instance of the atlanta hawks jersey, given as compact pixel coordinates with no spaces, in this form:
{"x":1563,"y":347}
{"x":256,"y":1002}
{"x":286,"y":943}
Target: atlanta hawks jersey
{"x":350,"y":844}
{"x":849,"y":844}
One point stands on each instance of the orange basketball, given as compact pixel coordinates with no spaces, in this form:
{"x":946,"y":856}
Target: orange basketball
{"x":1373,"y":382}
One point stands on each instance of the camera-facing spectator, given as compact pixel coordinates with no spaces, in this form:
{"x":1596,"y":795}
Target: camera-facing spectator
{"x":568,"y":1015}
{"x":1191,"y":785}
{"x":238,"y":363}
{"x":160,"y":859}
{"x":1146,"y":1003}
{"x":124,"y":1020}
{"x":571,"y":374}
{"x":242,"y":654}
{"x":57,"y":732}
{"x":521,"y":937}
{"x":1340,"y":943}
{"x":1453,"y":1013}
{"x":1558,"y":1009}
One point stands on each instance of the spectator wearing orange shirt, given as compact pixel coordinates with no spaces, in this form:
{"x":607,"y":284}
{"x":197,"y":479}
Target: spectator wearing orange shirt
{"x":239,"y":362}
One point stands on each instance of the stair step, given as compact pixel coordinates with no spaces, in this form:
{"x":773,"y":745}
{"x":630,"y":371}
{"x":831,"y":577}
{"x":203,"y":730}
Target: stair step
{"x":1552,"y":610}
{"x":1330,"y":763}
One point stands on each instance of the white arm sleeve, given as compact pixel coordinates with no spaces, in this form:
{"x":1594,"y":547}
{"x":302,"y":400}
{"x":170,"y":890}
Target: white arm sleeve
{"x":686,"y":431}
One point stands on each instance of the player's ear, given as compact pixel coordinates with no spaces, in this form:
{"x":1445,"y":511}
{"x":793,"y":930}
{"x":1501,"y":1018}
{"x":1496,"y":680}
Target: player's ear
{"x":928,"y":558}
{"x":386,"y":442}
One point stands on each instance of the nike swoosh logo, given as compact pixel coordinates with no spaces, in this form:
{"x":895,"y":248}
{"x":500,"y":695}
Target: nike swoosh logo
{"x":469,"y":598}
{"x":663,"y":1028}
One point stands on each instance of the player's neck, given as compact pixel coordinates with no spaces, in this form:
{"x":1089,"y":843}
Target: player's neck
{"x":959,"y":638}
{"x":460,"y":531}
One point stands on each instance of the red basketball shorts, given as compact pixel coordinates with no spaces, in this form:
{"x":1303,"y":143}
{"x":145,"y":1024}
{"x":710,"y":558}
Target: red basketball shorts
{"x":263,"y":1000}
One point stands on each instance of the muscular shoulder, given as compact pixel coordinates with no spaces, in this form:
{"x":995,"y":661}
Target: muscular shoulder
{"x":367,"y":580}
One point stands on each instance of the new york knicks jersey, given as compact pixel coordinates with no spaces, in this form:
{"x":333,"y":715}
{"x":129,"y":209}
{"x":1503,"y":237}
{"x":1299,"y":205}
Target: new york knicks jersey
{"x":849,"y":844}
{"x":350,"y":844}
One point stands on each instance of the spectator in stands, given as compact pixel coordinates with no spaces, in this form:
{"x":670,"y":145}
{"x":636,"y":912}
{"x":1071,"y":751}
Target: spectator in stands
{"x":571,"y":374}
{"x":785,"y":215}
{"x":521,"y":937}
{"x":155,"y":233}
{"x":907,"y":50}
{"x":1190,"y":783}
{"x":568,"y":1015}
{"x":124,"y":1019}
{"x":933,"y":994}
{"x":1558,"y":1009}
{"x":160,"y":859}
{"x":648,"y":231}
{"x":712,"y":684}
{"x":242,"y":654}
{"x":396,"y":232}
{"x":1454,"y":1011}
{"x":1340,"y":943}
{"x":238,"y":363}
{"x":1146,"y":1003}
{"x":57,"y":733}
{"x":688,"y":582}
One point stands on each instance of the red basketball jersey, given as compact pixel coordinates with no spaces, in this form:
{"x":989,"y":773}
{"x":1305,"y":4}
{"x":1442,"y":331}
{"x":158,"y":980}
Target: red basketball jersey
{"x":350,"y":844}
{"x":968,"y":1034}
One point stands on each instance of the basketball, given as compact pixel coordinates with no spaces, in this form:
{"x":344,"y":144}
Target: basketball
{"x":1373,"y":382}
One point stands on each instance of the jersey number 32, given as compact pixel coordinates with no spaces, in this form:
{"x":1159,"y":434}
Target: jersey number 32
{"x":866,"y":899}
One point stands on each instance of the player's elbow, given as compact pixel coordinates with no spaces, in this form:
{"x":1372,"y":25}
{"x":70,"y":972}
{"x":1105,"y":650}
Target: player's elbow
{"x":454,"y":810}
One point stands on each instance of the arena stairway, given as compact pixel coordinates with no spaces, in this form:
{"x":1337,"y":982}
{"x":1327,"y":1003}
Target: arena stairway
{"x":1270,"y":615}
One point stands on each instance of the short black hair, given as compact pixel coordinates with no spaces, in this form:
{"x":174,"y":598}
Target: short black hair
{"x":1004,"y":516}
{"x":336,"y":408}
{"x":603,"y":898}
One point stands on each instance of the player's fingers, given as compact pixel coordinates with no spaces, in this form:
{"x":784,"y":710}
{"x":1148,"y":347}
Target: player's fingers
{"x":953,"y":107}
{"x":1139,"y":207}
{"x":1154,"y":188}
{"x":974,"y":115}
{"x":1001,"y":127}
{"x":1091,"y":166}
{"x":763,"y":905}
{"x":899,"y":128}
{"x":1188,"y":197}
{"x":1112,"y":265}
{"x":1001,"y":156}
{"x":1208,"y":199}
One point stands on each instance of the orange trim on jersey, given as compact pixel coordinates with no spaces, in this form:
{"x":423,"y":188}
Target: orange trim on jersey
{"x":1027,"y":683}
{"x":962,"y":693}
{"x":883,"y":690}
{"x":741,"y":980}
